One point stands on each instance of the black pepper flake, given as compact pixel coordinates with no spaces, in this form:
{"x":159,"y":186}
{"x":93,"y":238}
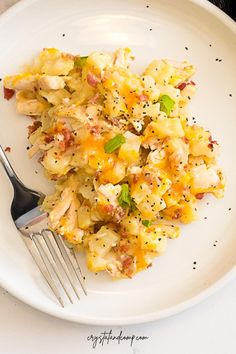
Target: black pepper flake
{"x":214,"y":245}
{"x":150,"y":29}
{"x":210,"y":45}
{"x":205,"y":217}
{"x":36,"y":172}
{"x":230,"y":94}
{"x":229,"y":209}
{"x":63,"y":35}
{"x":194,"y":262}
{"x":147,"y":6}
{"x":0,"y":79}
{"x":27,"y":148}
{"x":186,"y":48}
{"x":194,"y":267}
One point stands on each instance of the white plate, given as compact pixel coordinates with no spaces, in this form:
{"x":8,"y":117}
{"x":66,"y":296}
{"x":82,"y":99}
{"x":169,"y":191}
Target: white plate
{"x":153,"y":29}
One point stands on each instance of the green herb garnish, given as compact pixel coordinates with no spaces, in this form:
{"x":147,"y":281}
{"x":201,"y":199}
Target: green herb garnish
{"x":166,"y":104}
{"x":125,"y":199}
{"x":114,"y":143}
{"x":147,"y":223}
{"x":79,"y":62}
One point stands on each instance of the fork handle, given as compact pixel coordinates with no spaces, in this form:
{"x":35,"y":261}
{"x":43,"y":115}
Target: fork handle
{"x":7,"y":166}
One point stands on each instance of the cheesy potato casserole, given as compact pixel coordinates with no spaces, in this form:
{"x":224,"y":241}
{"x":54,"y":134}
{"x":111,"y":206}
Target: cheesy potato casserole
{"x":128,"y":165}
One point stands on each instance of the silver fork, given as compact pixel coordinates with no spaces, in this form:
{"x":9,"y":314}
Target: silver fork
{"x":58,"y":265}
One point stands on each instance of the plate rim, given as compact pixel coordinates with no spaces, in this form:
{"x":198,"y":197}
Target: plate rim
{"x":147,"y":317}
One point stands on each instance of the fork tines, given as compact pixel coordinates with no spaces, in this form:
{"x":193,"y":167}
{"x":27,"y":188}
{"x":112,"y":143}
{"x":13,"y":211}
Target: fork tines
{"x":57,"y":263}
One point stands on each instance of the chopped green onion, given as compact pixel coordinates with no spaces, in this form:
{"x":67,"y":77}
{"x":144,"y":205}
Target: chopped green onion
{"x":166,"y":104}
{"x":147,"y":223}
{"x":114,"y":143}
{"x":80,"y":61}
{"x":125,"y":199}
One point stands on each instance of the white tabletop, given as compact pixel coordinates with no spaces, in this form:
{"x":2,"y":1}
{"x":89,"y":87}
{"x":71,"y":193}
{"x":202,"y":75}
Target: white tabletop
{"x":208,"y":328}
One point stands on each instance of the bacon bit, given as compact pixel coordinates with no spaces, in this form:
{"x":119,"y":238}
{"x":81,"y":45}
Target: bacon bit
{"x":211,"y":146}
{"x":62,"y":145}
{"x":108,"y":208}
{"x":181,"y":86}
{"x":32,"y":128}
{"x":142,"y":97}
{"x":95,"y":130}
{"x":212,"y":142}
{"x":135,"y":179}
{"x":92,"y":79}
{"x":8,"y":149}
{"x":131,"y":128}
{"x":123,"y":248}
{"x":127,"y":262}
{"x":8,"y":93}
{"x":67,"y":134}
{"x":184,"y":84}
{"x":118,"y":214}
{"x":199,"y":196}
{"x":68,"y":139}
{"x":48,"y":138}
{"x":177,"y":215}
{"x":185,"y":140}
